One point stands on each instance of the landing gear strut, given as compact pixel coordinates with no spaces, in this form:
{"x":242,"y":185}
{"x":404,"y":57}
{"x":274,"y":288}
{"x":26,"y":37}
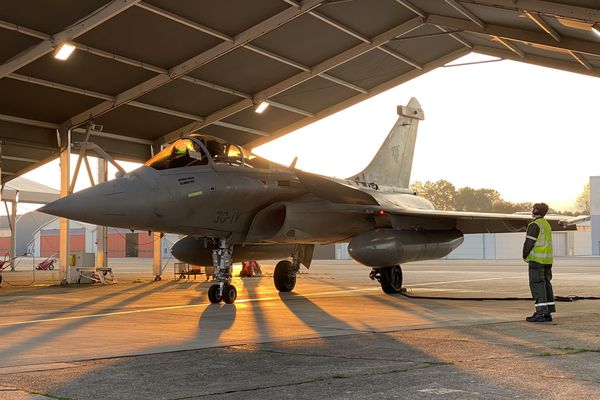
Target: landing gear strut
{"x":390,"y":278}
{"x":286,"y":271}
{"x":224,"y":290}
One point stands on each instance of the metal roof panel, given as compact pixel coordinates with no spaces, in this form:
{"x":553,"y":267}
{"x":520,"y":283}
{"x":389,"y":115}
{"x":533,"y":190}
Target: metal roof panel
{"x":227,"y":16}
{"x":306,"y":40}
{"x":144,"y":36}
{"x":244,"y":70}
{"x":109,"y":77}
{"x":315,"y":94}
{"x":139,"y":123}
{"x":190,"y":98}
{"x":39,"y":102}
{"x":48,"y":16}
{"x":12,"y":43}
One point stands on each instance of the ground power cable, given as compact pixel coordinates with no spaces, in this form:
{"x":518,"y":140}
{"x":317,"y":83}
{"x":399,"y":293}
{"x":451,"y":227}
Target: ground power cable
{"x":570,"y":298}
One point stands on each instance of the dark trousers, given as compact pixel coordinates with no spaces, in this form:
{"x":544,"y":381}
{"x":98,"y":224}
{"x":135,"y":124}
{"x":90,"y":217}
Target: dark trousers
{"x":540,"y":277}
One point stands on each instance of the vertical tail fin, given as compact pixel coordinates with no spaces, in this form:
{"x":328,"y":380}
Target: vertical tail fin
{"x":392,"y":164}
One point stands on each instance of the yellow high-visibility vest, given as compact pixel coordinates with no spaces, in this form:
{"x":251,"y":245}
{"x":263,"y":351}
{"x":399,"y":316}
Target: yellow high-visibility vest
{"x":542,"y":250}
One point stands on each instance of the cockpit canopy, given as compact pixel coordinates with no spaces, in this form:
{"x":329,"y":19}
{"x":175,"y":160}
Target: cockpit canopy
{"x":196,"y":149}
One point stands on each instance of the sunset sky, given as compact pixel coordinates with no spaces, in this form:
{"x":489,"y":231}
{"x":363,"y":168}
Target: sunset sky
{"x":531,"y":133}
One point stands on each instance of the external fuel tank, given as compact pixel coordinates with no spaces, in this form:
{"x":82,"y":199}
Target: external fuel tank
{"x":387,"y":247}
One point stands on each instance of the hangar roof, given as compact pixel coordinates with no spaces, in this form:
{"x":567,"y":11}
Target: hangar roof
{"x":150,"y":70}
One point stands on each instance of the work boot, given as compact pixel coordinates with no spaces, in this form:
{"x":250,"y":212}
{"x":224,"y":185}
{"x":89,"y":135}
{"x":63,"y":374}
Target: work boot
{"x":536,"y":318}
{"x":548,"y":317}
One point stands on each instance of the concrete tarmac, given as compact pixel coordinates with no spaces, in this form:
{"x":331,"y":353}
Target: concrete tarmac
{"x":337,"y":335}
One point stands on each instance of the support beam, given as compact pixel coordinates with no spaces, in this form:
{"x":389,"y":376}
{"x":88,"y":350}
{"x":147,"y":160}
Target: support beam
{"x":544,"y":7}
{"x":566,"y":43}
{"x":538,"y":60}
{"x":65,"y":172}
{"x":506,"y":43}
{"x":184,"y":21}
{"x":193,"y":63}
{"x":79,"y":28}
{"x":13,"y":235}
{"x":137,"y":104}
{"x":157,"y":255}
{"x":50,"y":125}
{"x":341,"y":27}
{"x":463,"y":10}
{"x":342,"y":82}
{"x":581,"y":60}
{"x":361,"y":97}
{"x":400,"y":57}
{"x":102,"y":231}
{"x":22,"y":159}
{"x":297,"y":79}
{"x":301,"y":67}
{"x":410,"y":6}
{"x":539,"y":21}
{"x":28,"y":122}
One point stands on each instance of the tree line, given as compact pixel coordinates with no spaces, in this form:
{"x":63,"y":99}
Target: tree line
{"x":445,"y":196}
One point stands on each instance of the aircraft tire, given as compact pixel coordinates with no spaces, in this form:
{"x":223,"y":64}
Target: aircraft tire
{"x":281,"y":277}
{"x":229,"y":294}
{"x":391,"y":279}
{"x":213,"y":294}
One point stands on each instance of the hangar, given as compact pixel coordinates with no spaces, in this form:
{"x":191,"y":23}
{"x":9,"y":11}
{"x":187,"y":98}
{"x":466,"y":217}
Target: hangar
{"x":144,"y":72}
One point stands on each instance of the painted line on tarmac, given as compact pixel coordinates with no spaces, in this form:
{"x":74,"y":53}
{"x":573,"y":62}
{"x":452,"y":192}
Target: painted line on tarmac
{"x":167,"y":308}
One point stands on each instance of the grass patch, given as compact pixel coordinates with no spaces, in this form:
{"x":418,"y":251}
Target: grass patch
{"x":42,"y":393}
{"x":577,"y":350}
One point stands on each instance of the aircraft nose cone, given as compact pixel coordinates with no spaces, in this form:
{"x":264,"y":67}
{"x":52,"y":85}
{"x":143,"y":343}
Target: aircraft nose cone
{"x":61,"y":208}
{"x":115,"y":203}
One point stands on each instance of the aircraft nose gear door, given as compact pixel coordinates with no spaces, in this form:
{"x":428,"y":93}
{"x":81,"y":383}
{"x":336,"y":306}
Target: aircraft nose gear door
{"x":224,"y":290}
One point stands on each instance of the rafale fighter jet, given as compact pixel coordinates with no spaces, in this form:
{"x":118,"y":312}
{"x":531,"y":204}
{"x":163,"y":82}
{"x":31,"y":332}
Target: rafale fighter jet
{"x":234,"y":206}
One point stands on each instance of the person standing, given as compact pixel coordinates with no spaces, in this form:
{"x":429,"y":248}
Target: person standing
{"x":537,"y":252}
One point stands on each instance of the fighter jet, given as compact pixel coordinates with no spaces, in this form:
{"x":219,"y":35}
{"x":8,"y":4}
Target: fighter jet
{"x":235,"y":206}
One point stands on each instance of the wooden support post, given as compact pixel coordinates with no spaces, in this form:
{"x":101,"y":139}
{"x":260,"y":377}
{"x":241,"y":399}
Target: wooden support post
{"x":102,"y":231}
{"x":65,"y":176}
{"x":157,"y":256}
{"x":13,"y":238}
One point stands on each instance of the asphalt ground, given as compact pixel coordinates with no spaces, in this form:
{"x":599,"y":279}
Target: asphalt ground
{"x":336,"y":336}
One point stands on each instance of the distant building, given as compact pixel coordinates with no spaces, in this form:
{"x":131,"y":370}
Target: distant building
{"x":82,"y":238}
{"x":27,"y":224}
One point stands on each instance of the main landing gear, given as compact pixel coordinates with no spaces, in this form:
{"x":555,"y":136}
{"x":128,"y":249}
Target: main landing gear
{"x":223,"y":290}
{"x":390,"y":278}
{"x":285,"y":272}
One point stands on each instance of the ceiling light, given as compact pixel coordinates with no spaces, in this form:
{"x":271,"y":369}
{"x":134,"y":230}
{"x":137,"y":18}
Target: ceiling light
{"x":261,"y":107}
{"x":596,"y":28}
{"x":63,"y":51}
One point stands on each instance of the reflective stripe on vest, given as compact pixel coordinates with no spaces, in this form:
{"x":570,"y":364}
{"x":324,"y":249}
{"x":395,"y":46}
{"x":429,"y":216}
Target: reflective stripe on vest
{"x":542,"y":250}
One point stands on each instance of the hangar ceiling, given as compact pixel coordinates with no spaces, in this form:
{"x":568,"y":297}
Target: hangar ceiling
{"x":151,"y":70}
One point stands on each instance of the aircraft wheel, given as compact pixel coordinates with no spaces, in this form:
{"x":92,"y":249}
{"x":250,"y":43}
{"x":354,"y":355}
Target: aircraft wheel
{"x":213,"y":294}
{"x":229,"y":294}
{"x":284,"y":280}
{"x":391,"y":279}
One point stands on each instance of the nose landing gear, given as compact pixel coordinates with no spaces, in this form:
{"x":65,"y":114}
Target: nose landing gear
{"x":223,"y":290}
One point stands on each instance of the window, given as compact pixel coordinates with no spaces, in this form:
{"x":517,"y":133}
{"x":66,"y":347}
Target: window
{"x":181,"y":153}
{"x":187,"y":152}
